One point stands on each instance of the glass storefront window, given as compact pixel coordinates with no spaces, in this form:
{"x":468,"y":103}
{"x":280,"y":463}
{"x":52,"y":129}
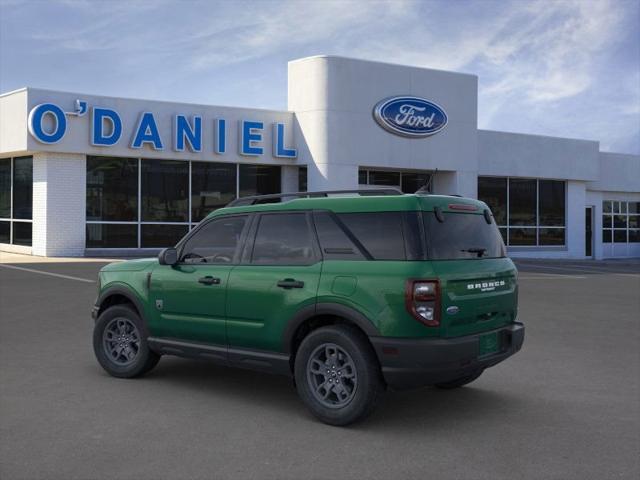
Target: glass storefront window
{"x":213,"y":185}
{"x":16,"y":200}
{"x":381,"y":177}
{"x":302,"y":179}
{"x":551,"y":199}
{"x":619,"y":236}
{"x":112,"y":235}
{"x":259,"y":180}
{"x":503,"y":232}
{"x":407,"y":182}
{"x":551,"y":236}
{"x":22,"y":233}
{"x":522,"y":236}
{"x":532,"y":204}
{"x":412,"y":182}
{"x":522,"y":202}
{"x":161,"y":236}
{"x":112,"y":189}
{"x":5,"y":188}
{"x":145,"y":203}
{"x":493,"y":192}
{"x":5,"y":231}
{"x":620,"y":221}
{"x":22,"y":187}
{"x":165,"y":188}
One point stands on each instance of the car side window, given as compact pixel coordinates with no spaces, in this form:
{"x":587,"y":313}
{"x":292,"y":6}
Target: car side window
{"x":283,"y":239}
{"x":381,"y":233}
{"x":334,"y":242}
{"x":216,"y":242}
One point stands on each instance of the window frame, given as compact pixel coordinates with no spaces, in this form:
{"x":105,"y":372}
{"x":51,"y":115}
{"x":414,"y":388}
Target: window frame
{"x":618,"y":208}
{"x":538,"y":226}
{"x":247,"y":252}
{"x":365,"y":171}
{"x":11,"y":219}
{"x":194,"y":231}
{"x":190,"y":223}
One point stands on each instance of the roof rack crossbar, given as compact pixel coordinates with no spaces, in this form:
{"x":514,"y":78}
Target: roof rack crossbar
{"x":253,"y":200}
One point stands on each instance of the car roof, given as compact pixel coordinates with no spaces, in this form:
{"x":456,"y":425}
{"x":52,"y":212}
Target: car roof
{"x":361,"y":204}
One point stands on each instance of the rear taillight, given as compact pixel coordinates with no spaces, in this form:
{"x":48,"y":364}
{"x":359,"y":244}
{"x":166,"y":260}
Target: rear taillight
{"x":422,"y":299}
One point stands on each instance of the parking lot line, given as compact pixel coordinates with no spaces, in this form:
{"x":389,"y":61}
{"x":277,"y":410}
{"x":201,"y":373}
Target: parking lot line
{"x":67,"y":277}
{"x":550,"y":276}
{"x":564,"y":268}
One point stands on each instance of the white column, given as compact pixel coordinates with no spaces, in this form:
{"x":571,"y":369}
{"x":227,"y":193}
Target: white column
{"x":575,"y":233}
{"x":463,"y":183}
{"x":289,"y":178}
{"x":332,"y":176}
{"x":59,"y":204}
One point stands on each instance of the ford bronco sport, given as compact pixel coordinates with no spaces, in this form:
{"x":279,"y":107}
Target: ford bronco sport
{"x":349,"y":294}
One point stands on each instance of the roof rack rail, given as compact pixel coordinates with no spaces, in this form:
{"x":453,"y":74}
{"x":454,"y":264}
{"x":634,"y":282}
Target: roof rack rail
{"x":254,"y":200}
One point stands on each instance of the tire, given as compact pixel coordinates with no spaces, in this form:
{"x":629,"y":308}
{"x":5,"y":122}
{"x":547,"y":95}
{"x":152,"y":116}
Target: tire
{"x":459,"y":382}
{"x":337,"y":375}
{"x":131,"y":357}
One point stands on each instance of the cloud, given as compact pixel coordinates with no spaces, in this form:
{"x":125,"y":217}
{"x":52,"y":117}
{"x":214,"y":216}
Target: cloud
{"x":543,"y":66}
{"x":287,"y":25}
{"x":550,"y":57}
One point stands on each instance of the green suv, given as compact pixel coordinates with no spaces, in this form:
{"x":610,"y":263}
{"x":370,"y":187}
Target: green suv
{"x":348,"y":293}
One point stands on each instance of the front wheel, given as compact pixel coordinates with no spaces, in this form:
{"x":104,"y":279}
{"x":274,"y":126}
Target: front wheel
{"x":337,"y":375}
{"x":120,"y":344}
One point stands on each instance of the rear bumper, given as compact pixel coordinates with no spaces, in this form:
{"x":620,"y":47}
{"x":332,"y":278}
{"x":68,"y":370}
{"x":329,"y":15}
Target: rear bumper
{"x":410,"y":363}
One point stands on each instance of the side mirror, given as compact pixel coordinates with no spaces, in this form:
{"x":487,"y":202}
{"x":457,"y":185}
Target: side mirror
{"x":168,"y":256}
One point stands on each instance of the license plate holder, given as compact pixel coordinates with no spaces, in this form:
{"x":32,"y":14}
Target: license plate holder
{"x":488,"y":344}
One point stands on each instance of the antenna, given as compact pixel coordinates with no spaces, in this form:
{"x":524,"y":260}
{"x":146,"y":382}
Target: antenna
{"x":425,"y":188}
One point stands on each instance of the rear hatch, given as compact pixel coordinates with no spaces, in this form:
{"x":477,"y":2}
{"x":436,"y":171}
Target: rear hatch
{"x":478,"y":283}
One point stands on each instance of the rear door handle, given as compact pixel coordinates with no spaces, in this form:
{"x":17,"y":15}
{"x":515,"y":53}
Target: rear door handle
{"x":209,"y":280}
{"x":290,"y":283}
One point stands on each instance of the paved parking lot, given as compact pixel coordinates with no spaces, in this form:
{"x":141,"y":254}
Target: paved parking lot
{"x":567,"y":406}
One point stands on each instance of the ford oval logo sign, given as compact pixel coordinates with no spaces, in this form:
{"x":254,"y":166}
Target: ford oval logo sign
{"x":410,"y":116}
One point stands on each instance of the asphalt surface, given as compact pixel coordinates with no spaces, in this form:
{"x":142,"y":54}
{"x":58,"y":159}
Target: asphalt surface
{"x":566,"y":407}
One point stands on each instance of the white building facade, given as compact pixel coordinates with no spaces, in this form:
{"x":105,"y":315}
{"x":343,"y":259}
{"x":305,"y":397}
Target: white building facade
{"x":94,"y":175}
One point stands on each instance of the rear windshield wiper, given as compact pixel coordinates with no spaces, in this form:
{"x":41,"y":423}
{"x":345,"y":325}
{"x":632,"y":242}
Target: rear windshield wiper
{"x":479,"y":251}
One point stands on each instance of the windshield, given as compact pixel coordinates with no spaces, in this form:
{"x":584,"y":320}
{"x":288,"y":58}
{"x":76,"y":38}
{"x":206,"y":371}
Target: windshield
{"x":462,"y":236}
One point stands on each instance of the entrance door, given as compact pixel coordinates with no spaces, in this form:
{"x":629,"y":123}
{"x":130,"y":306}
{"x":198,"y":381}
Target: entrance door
{"x":588,"y":232}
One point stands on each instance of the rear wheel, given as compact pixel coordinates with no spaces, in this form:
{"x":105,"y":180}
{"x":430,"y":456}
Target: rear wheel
{"x":459,"y":382}
{"x":120,"y":343}
{"x":337,"y":375}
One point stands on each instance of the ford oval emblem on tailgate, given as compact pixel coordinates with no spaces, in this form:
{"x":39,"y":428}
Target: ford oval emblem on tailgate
{"x":452,"y":310}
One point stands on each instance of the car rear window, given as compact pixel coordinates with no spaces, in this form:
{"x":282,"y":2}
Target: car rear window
{"x":462,"y":236}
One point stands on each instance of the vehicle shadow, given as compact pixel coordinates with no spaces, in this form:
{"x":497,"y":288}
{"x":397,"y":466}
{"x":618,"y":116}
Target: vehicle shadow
{"x":405,"y":411}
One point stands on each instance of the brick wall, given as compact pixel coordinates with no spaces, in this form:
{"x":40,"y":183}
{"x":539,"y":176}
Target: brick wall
{"x":59,"y":198}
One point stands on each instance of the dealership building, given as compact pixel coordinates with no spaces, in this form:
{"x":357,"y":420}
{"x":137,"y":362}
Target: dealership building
{"x":84,"y":175}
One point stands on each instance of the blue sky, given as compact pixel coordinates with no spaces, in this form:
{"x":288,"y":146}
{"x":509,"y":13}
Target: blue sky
{"x":564,"y":68}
